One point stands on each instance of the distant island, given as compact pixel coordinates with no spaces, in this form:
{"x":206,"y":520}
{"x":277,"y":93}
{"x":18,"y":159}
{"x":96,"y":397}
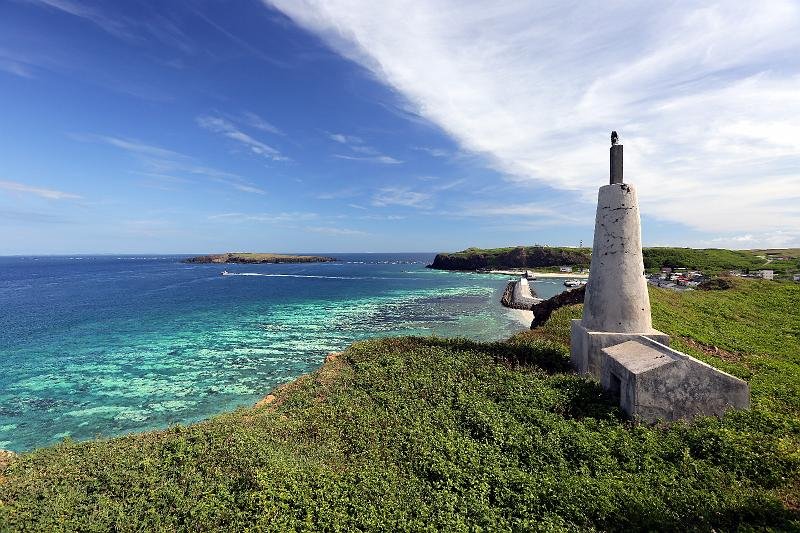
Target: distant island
{"x":252,"y":258}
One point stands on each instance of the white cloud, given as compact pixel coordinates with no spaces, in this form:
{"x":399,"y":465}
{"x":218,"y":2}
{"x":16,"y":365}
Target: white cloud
{"x":50,"y":194}
{"x":153,"y":25}
{"x":14,"y":66}
{"x":228,"y":129}
{"x":435,"y":152}
{"x":255,"y":121}
{"x":327,"y":230}
{"x":248,"y":188}
{"x":399,"y":196}
{"x":705,"y":96}
{"x":537,"y":214}
{"x":384,"y":159}
{"x":271,"y":218}
{"x":345,"y":139}
{"x":161,"y":161}
{"x":357,"y":145}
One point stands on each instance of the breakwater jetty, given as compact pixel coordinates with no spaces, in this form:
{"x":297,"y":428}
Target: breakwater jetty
{"x":519,"y":295}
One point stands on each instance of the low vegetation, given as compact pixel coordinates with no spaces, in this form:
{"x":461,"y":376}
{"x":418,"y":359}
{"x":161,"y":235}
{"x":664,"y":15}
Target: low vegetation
{"x":710,"y":260}
{"x":448,"y":434}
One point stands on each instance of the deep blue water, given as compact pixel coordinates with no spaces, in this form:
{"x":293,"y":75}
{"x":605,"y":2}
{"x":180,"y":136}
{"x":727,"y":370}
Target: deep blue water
{"x":104,"y":345}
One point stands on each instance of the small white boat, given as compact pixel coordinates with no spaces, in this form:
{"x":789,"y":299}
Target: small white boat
{"x":226,"y":273}
{"x":574,"y":283}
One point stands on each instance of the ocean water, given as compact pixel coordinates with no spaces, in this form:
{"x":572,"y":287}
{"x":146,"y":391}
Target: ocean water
{"x":105,"y":345}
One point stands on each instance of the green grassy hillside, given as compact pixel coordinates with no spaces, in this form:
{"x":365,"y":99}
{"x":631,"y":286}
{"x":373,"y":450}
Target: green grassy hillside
{"x":516,"y":257}
{"x":437,"y":434}
{"x":709,"y":260}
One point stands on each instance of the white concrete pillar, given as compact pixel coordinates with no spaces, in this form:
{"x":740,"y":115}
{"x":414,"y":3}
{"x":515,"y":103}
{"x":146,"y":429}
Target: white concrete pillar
{"x":616,"y":294}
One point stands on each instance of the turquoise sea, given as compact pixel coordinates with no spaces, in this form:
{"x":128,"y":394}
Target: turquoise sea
{"x":104,"y":345}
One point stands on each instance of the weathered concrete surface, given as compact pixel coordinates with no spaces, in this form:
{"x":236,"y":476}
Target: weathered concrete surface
{"x":518,"y":295}
{"x":654,"y":382}
{"x":616,"y":294}
{"x":586,"y":346}
{"x":523,"y":294}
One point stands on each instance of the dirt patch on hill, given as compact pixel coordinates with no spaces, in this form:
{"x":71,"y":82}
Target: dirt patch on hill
{"x":715,"y":351}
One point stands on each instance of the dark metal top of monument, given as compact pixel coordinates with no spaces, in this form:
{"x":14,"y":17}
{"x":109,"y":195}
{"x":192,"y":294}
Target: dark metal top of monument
{"x":616,"y":159}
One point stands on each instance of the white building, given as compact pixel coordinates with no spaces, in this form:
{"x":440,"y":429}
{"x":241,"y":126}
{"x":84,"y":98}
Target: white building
{"x":766,"y":274}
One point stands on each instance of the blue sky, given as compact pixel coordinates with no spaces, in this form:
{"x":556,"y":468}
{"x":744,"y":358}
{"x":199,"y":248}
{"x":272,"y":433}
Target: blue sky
{"x":297,"y":126}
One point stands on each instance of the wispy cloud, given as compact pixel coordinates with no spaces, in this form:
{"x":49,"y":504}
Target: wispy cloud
{"x":271,"y":218}
{"x":113,"y":26}
{"x":255,"y":121}
{"x":163,"y":163}
{"x":359,"y":146}
{"x":401,"y":196}
{"x":529,"y":213}
{"x":248,"y":188}
{"x":706,"y":105}
{"x":14,"y":65}
{"x":231,"y":131}
{"x":346,"y":139}
{"x":346,"y":192}
{"x":435,"y":152}
{"x":32,"y":217}
{"x":153,"y":26}
{"x":129,"y":145}
{"x":384,"y":159}
{"x":327,"y":230}
{"x":50,"y":194}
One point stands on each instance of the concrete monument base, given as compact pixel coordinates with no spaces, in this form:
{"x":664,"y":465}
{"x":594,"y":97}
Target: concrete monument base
{"x":586,"y":346}
{"x":653,"y":381}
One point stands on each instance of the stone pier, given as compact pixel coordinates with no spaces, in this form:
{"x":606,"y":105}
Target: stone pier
{"x":615,"y":341}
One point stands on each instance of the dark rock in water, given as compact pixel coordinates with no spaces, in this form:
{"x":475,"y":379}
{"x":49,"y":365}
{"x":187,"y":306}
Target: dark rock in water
{"x":543,"y":310}
{"x":519,"y":257}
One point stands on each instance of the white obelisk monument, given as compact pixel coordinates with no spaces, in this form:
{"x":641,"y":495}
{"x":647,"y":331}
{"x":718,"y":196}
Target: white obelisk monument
{"x":616,"y":306}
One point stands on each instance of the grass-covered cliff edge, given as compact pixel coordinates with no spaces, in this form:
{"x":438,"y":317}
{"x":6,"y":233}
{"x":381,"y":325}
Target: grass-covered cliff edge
{"x":448,"y":434}
{"x":709,"y":260}
{"x":515,"y":257}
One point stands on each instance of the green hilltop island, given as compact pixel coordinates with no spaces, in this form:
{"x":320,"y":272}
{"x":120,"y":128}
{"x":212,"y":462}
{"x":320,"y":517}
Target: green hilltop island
{"x":255,"y":258}
{"x":638,"y":407}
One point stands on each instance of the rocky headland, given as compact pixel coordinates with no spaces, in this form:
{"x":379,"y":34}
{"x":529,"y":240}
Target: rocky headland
{"x":519,"y":257}
{"x":253,"y":258}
